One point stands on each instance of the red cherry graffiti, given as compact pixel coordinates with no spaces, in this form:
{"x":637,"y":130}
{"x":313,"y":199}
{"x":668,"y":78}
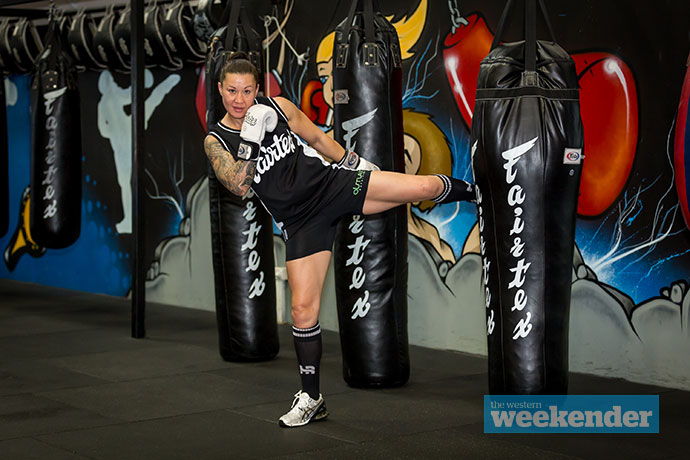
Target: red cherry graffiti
{"x":200,"y":98}
{"x":463,"y":52}
{"x":681,"y":156}
{"x":313,"y":104}
{"x":608,"y":105}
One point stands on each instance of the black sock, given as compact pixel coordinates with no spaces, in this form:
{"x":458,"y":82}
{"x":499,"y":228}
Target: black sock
{"x":455,"y":190}
{"x":308,"y":346}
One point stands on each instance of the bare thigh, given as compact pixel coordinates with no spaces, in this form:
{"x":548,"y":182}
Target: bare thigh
{"x":389,"y":189}
{"x":306,"y":276}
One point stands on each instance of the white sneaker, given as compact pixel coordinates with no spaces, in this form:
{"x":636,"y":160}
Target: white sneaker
{"x":304,"y":410}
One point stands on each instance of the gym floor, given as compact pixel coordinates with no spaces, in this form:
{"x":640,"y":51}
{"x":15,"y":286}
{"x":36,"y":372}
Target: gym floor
{"x":75,"y":385}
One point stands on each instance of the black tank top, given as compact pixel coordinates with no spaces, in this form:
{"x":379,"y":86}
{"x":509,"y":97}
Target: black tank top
{"x":290,"y":175}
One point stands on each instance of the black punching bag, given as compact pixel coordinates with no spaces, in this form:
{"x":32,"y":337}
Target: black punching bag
{"x":4,"y":164}
{"x":526,"y":143}
{"x":242,"y":244}
{"x":370,"y":252}
{"x":55,"y":147}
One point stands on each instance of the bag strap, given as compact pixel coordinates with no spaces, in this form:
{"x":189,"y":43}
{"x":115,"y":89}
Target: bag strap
{"x":528,"y":25}
{"x":530,"y":36}
{"x":53,"y":39}
{"x":502,"y":24}
{"x":367,"y":7}
{"x":226,"y":11}
{"x":369,"y":21}
{"x":252,"y":37}
{"x":349,"y":19}
{"x":529,"y":76}
{"x":233,"y":17}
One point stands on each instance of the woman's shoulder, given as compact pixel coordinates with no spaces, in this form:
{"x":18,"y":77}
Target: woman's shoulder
{"x":283,"y":105}
{"x":267,"y":100}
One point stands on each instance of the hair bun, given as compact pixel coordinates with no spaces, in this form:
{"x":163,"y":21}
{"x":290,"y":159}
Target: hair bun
{"x":238,"y":55}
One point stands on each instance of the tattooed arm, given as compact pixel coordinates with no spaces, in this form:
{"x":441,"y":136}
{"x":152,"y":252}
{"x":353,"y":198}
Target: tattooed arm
{"x":235,"y":175}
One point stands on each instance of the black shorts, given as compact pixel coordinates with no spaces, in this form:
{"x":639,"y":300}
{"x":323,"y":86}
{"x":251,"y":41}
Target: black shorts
{"x":344,"y":196}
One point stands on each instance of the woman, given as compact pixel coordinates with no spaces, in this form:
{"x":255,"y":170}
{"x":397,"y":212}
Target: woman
{"x":260,"y":143}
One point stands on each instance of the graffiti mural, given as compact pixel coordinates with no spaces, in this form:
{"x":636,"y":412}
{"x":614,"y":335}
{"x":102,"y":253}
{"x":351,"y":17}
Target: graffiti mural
{"x":101,"y":257}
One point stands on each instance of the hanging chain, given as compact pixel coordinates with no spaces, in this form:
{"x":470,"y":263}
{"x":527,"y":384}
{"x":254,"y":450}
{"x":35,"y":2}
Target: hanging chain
{"x":455,"y":17}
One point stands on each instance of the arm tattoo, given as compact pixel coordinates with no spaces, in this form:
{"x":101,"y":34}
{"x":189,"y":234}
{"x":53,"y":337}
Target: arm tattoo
{"x":250,"y":170}
{"x":236,"y":175}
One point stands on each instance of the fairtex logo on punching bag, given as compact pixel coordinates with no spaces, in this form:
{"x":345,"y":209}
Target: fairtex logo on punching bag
{"x":362,"y":305}
{"x":253,"y":258}
{"x":486,"y":263}
{"x":50,"y":170}
{"x":516,"y":196}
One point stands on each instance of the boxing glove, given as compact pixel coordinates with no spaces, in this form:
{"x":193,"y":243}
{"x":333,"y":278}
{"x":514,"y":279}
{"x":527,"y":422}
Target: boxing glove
{"x":353,"y":161}
{"x":258,"y":120}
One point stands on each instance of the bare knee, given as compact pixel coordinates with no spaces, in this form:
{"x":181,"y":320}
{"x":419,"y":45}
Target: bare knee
{"x":304,"y":314}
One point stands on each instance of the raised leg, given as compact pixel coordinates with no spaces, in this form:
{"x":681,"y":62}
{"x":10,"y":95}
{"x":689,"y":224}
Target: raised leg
{"x":389,"y":189}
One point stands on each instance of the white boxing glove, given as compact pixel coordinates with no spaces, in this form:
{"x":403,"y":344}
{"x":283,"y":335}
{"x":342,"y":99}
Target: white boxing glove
{"x":353,"y":161}
{"x":258,"y":120}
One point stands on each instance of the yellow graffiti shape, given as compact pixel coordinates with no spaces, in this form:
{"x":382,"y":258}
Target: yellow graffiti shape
{"x":410,"y":28}
{"x":21,"y":242}
{"x":325,"y":50}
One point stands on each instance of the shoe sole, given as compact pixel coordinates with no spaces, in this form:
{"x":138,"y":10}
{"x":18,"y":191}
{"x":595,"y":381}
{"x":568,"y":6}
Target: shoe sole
{"x":321,"y":414}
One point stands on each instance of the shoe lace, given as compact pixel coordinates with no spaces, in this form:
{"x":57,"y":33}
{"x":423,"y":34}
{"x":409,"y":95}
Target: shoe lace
{"x":296,"y":402}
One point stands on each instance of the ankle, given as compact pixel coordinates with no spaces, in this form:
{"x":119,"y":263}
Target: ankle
{"x":454,"y":190}
{"x":438,"y":187}
{"x":445,"y":189}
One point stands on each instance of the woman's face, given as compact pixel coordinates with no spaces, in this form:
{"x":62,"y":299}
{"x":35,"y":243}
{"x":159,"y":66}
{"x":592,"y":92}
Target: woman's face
{"x":238,"y":91}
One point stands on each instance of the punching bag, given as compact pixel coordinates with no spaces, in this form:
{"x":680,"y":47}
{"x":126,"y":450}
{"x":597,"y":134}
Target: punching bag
{"x":106,"y":44}
{"x":55,"y":147}
{"x":122,"y":34}
{"x":370,"y":252}
{"x":178,"y":33}
{"x":526,"y":144}
{"x":242,"y":244}
{"x":25,"y":45}
{"x":4,"y":164}
{"x":6,"y":58}
{"x":157,"y":53}
{"x":80,"y":40}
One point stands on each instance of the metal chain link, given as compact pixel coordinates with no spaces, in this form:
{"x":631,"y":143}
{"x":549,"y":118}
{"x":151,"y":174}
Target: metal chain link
{"x":455,"y":17}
